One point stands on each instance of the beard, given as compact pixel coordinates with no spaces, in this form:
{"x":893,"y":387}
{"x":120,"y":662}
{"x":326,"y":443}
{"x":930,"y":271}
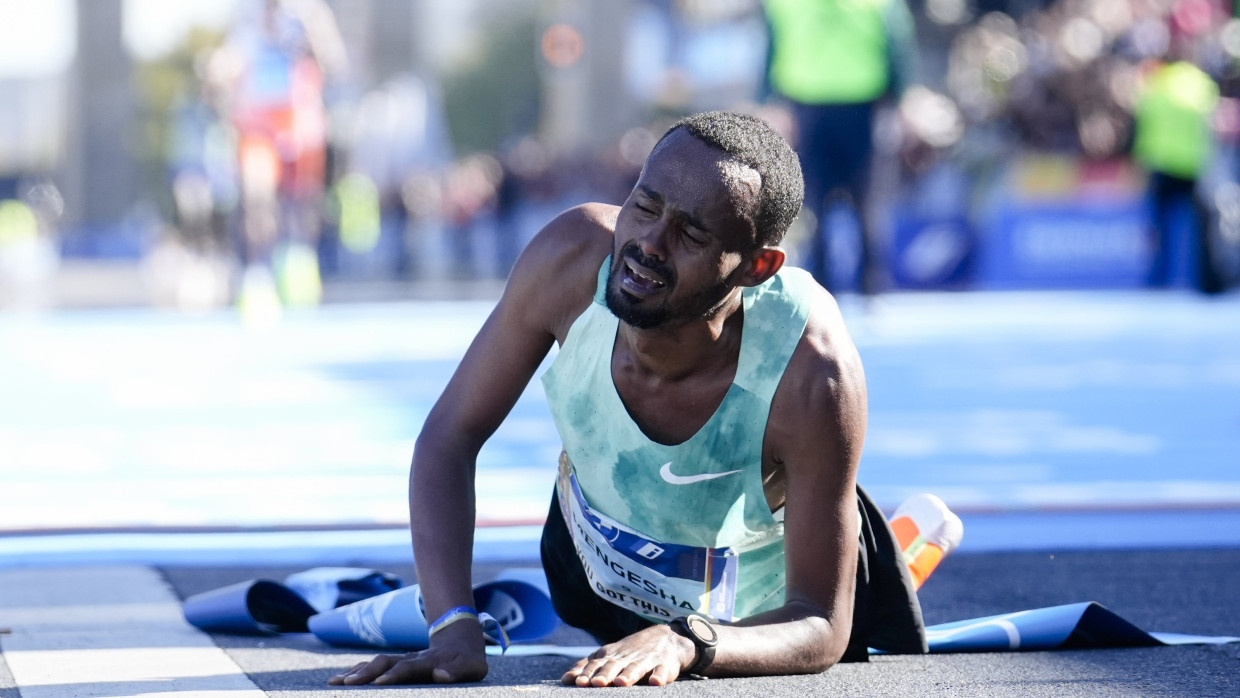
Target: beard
{"x":632,"y":311}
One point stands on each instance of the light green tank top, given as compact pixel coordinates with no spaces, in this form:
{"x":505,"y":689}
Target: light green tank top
{"x":643,"y":513}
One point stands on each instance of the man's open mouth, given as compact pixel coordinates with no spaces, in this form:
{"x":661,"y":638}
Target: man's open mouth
{"x":639,"y":281}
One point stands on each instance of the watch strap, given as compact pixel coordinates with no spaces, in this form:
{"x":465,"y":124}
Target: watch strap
{"x":706,"y":655}
{"x":705,"y":644}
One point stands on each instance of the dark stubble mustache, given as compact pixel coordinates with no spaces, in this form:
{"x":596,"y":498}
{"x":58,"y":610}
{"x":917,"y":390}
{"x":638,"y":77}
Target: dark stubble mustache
{"x":621,"y":304}
{"x":634,"y":253}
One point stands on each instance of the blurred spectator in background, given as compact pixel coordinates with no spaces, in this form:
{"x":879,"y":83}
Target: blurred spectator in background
{"x":28,"y":255}
{"x":834,"y":61}
{"x":526,"y":176}
{"x":470,"y":189}
{"x":272,"y":73}
{"x":1174,"y":142}
{"x":395,"y":137}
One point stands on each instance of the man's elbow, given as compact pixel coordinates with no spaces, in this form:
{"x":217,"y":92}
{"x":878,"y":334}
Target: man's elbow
{"x":828,"y":644}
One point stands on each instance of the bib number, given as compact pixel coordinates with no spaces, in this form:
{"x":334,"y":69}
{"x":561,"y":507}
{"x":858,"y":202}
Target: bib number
{"x":653,"y":578}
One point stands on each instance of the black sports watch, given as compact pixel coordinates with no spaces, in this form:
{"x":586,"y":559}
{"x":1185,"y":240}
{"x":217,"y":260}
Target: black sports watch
{"x":701,"y":631}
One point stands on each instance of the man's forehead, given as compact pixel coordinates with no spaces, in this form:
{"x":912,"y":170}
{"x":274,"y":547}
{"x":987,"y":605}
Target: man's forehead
{"x":736,"y":176}
{"x":680,"y":141}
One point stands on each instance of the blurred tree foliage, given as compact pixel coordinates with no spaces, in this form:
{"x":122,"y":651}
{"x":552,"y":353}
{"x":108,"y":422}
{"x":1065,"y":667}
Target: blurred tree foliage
{"x":496,"y":93}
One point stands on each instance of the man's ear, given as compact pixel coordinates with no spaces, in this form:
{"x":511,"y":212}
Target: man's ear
{"x":763,"y":263}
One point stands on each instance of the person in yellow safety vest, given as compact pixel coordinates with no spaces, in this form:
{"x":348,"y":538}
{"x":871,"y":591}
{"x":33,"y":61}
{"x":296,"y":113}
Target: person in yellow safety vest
{"x":833,"y":61}
{"x":1173,"y":140}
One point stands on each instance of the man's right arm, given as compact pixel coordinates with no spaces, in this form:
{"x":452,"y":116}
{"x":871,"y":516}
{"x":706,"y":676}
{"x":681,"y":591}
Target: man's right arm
{"x":550,"y":285}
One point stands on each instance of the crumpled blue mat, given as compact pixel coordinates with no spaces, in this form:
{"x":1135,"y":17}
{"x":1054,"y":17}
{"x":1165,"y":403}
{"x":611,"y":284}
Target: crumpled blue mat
{"x":356,"y":607}
{"x":1071,"y":626}
{"x":267,"y":607}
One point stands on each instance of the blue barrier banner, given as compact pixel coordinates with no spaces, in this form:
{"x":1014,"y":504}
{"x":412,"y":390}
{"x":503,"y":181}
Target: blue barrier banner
{"x":1087,"y":244}
{"x":932,"y":252}
{"x":1060,"y":221}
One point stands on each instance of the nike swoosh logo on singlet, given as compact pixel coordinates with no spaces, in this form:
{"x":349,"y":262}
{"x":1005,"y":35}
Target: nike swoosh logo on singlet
{"x":673,"y":479}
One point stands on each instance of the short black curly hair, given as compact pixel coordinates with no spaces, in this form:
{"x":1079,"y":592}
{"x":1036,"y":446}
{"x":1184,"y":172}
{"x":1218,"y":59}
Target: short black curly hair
{"x":755,"y":143}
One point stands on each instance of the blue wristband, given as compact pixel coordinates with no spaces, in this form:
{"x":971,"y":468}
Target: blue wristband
{"x":491,"y":628}
{"x":451,"y":616}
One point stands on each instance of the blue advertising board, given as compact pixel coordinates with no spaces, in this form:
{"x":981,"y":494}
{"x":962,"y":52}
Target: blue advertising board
{"x":1067,"y":244}
{"x":1057,"y":221}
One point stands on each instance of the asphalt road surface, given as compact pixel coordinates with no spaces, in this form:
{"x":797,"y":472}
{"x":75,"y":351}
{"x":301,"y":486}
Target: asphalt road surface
{"x":1186,"y":591}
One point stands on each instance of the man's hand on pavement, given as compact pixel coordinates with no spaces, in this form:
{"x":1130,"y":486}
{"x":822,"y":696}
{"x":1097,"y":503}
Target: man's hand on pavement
{"x":457,"y":656}
{"x":656,"y":655}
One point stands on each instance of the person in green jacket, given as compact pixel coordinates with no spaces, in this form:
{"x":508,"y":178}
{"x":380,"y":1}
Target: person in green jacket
{"x":1173,"y":140}
{"x":834,"y":62}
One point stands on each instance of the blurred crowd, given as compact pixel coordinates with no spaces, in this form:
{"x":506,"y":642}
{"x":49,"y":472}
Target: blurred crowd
{"x":283,"y":174}
{"x":1089,"y":85}
{"x":1068,"y":77}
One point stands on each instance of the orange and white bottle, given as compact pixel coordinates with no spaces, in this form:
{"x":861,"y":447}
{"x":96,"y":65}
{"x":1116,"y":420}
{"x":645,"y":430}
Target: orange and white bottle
{"x":926,"y":531}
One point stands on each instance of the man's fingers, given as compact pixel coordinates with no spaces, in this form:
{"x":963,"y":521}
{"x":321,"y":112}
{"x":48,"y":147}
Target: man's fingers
{"x":618,"y":673}
{"x":570,"y":677}
{"x":663,"y":674}
{"x":414,"y":668}
{"x":590,"y":670}
{"x":606,"y":672}
{"x":635,"y":671}
{"x":600,"y":670}
{"x":633,"y":674}
{"x":427,"y":667}
{"x":364,"y":672}
{"x":338,"y":679}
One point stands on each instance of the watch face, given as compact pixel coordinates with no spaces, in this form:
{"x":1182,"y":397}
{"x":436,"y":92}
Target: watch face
{"x":702,"y":630}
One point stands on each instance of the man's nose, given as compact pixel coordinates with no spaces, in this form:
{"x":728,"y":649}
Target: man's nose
{"x":653,"y":242}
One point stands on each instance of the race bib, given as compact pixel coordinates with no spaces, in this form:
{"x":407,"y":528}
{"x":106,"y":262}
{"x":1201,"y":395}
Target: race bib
{"x":653,"y":578}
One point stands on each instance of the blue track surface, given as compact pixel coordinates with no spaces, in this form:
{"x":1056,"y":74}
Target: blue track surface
{"x":1011,"y":403}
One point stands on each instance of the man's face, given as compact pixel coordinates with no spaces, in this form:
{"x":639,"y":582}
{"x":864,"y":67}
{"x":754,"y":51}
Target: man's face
{"x":682,"y":233}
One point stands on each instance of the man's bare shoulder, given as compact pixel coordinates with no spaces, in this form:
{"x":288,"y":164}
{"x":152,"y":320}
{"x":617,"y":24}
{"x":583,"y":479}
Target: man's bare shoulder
{"x":577,"y":230}
{"x":824,"y":381}
{"x":557,"y":272}
{"x":826,"y":346}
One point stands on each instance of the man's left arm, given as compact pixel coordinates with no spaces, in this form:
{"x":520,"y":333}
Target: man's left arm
{"x":815,"y":433}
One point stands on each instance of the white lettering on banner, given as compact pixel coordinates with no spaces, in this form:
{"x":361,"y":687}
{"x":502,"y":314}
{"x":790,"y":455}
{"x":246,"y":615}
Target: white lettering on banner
{"x":1078,"y":244}
{"x":626,"y":582}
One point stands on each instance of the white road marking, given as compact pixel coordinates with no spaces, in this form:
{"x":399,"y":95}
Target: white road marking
{"x":108,"y":631}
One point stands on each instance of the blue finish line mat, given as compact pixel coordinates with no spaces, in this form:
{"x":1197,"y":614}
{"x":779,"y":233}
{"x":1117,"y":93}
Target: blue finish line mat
{"x":353,"y":607}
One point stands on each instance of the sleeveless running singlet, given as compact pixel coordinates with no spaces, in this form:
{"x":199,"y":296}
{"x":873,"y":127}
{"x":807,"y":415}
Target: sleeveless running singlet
{"x":664,"y":529}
